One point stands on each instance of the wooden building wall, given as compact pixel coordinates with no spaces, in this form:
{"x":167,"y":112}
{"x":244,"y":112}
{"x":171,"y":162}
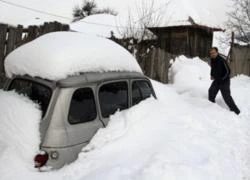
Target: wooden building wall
{"x":188,"y":41}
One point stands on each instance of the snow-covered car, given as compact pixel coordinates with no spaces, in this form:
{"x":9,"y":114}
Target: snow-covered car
{"x":78,"y":81}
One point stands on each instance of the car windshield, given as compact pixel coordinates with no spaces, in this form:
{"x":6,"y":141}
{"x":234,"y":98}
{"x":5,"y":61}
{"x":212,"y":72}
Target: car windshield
{"x":37,"y":92}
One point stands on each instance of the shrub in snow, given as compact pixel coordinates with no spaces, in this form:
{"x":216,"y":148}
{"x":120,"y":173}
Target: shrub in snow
{"x":55,"y":56}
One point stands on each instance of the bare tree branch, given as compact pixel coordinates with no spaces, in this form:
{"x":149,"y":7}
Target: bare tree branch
{"x":239,"y":19}
{"x":146,"y":14}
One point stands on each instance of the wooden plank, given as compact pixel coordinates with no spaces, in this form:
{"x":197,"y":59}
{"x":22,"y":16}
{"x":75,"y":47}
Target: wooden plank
{"x":58,"y":26}
{"x":19,"y":34}
{"x":3,"y":34}
{"x":11,"y":40}
{"x":33,"y":33}
{"x":52,"y":27}
{"x":45,"y":28}
{"x":65,"y":27}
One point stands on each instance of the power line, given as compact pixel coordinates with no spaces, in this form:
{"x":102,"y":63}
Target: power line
{"x":35,"y":10}
{"x":82,"y":21}
{"x":54,"y":15}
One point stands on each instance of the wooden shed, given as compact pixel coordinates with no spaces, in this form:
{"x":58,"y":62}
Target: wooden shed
{"x":191,"y":40}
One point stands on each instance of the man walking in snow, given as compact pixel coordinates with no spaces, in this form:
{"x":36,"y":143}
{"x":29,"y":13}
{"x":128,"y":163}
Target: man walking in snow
{"x":220,"y":74}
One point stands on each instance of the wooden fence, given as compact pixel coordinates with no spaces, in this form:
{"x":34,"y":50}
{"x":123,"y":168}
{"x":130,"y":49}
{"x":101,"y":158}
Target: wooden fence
{"x":153,"y":60}
{"x":240,"y":59}
{"x":155,"y":64}
{"x":13,"y":37}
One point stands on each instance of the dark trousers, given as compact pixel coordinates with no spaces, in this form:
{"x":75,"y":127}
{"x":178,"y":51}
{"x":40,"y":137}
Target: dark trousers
{"x":224,"y":87}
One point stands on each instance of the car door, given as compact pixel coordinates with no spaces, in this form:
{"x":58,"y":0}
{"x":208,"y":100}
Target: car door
{"x":113,"y":96}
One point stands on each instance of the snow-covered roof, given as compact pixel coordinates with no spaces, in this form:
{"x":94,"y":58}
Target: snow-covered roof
{"x":99,"y":24}
{"x":56,"y":56}
{"x":178,"y":12}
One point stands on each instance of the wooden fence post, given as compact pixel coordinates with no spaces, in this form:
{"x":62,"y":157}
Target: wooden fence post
{"x":3,"y":34}
{"x":19,"y":34}
{"x":52,"y":27}
{"x":11,"y":40}
{"x":33,"y":32}
{"x":65,"y":27}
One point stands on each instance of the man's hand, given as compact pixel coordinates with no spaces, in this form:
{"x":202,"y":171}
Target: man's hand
{"x":212,"y":78}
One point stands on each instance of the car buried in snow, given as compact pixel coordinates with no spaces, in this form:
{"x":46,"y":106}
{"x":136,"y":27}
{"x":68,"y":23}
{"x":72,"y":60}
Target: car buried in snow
{"x":76,"y":106}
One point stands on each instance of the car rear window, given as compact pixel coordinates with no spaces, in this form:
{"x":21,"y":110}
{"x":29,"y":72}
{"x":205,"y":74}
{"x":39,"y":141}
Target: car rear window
{"x":37,"y":92}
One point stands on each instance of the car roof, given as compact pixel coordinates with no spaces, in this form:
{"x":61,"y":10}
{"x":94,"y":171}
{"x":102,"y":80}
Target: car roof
{"x":86,"y":78}
{"x":95,"y":77}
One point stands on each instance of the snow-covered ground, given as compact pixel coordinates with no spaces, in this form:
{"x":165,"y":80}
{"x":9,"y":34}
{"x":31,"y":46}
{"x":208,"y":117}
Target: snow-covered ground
{"x":179,"y":136}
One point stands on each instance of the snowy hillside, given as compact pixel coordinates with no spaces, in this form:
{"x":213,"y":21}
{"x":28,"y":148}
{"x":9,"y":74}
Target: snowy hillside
{"x":179,"y":136}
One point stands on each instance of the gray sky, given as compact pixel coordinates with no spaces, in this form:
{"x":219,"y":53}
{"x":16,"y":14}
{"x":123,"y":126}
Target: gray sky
{"x":15,"y":15}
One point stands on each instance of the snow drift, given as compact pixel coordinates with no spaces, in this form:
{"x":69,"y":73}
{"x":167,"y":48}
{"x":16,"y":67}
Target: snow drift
{"x":19,"y":132}
{"x":55,"y":56}
{"x":190,"y":75}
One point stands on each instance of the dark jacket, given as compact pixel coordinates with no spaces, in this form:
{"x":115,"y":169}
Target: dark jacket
{"x":220,"y":70}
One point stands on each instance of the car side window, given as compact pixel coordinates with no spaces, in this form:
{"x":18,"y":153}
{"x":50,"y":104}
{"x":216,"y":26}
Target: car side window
{"x":141,"y":90}
{"x":82,"y":107}
{"x":113,"y":96}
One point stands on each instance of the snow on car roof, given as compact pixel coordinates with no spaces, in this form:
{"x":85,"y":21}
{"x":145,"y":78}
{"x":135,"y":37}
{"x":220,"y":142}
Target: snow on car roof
{"x":56,"y":56}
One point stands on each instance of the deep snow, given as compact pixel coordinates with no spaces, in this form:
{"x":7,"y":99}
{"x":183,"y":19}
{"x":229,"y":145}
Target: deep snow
{"x":55,"y":56}
{"x":19,"y":133}
{"x":179,"y":136}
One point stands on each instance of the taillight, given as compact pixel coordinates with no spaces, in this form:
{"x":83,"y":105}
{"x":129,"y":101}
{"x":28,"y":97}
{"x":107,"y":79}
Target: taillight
{"x":41,"y":159}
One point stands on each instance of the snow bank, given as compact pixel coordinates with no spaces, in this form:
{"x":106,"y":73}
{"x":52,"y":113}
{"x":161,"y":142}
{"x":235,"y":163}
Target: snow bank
{"x":19,"y":132}
{"x":100,"y":25}
{"x":55,"y":56}
{"x":190,"y":75}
